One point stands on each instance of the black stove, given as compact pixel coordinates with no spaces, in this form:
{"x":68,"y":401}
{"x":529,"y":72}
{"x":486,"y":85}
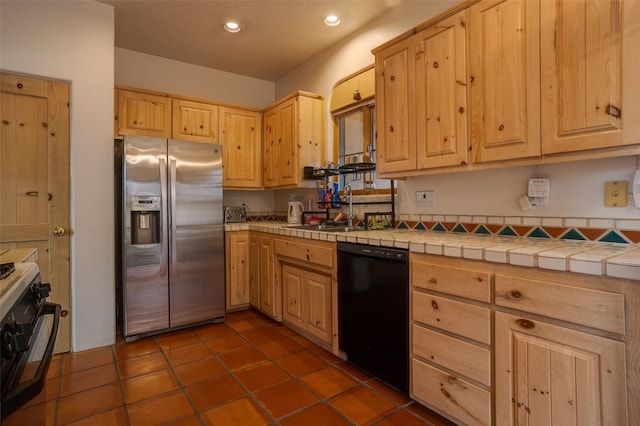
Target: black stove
{"x":6,"y":269}
{"x":26,"y":343}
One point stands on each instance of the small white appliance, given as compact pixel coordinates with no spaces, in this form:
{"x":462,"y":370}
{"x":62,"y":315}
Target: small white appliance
{"x":294,"y":215}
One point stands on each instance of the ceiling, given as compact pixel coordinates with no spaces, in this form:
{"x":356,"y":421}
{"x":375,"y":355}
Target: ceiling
{"x":276,"y":36}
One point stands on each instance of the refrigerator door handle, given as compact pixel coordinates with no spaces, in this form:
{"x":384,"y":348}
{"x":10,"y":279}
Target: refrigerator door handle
{"x":174,"y":237}
{"x":163,"y":249}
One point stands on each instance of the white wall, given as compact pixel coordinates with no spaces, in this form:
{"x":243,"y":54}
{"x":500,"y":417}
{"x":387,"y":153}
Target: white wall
{"x":150,"y":72}
{"x":577,"y":188}
{"x":73,"y":41}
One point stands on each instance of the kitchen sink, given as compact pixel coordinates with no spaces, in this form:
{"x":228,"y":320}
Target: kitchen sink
{"x":327,"y":228}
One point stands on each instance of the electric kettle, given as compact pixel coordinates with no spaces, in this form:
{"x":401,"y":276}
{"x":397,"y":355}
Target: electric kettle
{"x":294,"y":215}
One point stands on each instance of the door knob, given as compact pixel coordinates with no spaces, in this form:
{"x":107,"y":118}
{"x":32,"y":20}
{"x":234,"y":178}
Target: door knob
{"x":59,"y":231}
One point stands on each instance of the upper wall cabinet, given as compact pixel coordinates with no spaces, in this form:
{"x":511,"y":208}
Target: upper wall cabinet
{"x":241,"y":136}
{"x":504,"y":80}
{"x":143,"y":114}
{"x":543,"y":78}
{"x":589,"y":63}
{"x":195,"y":121}
{"x":421,"y":99}
{"x":293,"y":138}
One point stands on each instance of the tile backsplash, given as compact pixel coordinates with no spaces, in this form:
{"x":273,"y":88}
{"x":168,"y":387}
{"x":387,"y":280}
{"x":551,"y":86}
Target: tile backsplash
{"x":625,"y":231}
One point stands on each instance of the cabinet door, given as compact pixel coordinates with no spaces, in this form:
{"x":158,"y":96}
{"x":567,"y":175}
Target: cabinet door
{"x":288,"y":144}
{"x":504,"y":79}
{"x":582,"y":44}
{"x":144,"y":114}
{"x":546,"y":374}
{"x":238,"y":259}
{"x":254,"y":271}
{"x":292,"y":295}
{"x":395,"y":110}
{"x":240,"y":136}
{"x":441,"y":94}
{"x":269,"y":296}
{"x":318,"y":287}
{"x":195,"y":121}
{"x":270,"y":148}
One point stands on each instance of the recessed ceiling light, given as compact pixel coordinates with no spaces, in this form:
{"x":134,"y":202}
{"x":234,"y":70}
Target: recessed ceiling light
{"x":332,"y":20}
{"x":232,"y":27}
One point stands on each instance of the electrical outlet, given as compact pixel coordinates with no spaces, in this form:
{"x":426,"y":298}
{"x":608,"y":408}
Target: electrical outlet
{"x":426,"y":198}
{"x":615,"y":194}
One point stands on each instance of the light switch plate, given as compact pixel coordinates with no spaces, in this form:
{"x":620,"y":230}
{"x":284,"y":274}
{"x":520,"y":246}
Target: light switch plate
{"x":615,"y":194}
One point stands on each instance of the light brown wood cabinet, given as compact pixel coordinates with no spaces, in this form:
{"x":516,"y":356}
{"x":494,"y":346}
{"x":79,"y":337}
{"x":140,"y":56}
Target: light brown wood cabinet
{"x":563,"y":346}
{"x":195,"y":121}
{"x":451,"y":340}
{"x":504,"y":79}
{"x":254,"y":270}
{"x":589,"y":68}
{"x":306,"y":271}
{"x":421,"y":99}
{"x":270,"y":290}
{"x":558,"y":369}
{"x":241,"y":137}
{"x":545,"y":82}
{"x":238,"y":250}
{"x":293,"y":138}
{"x":143,"y":114}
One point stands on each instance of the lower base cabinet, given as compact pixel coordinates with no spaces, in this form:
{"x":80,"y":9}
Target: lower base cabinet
{"x":546,"y":374}
{"x":307,"y":301}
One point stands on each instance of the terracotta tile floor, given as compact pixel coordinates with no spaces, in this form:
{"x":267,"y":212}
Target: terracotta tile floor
{"x":248,"y":371}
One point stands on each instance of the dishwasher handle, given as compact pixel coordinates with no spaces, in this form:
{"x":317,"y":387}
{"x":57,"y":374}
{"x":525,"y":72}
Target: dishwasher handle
{"x":374,"y":251}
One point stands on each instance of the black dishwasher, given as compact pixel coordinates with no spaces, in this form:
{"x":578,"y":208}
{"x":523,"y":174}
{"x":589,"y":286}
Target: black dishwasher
{"x":373,"y":310}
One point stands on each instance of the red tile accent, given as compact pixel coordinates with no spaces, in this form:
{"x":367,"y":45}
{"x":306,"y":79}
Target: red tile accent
{"x":632,"y":235}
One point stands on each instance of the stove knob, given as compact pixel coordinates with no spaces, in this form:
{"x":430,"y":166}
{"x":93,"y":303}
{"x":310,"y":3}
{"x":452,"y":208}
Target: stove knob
{"x":41,"y":290}
{"x":15,"y":338}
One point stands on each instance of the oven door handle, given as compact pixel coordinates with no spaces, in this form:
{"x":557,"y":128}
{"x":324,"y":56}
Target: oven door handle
{"x":24,"y":392}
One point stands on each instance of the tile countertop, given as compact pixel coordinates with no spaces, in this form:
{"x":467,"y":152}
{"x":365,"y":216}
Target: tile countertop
{"x":19,"y":255}
{"x":607,"y":259}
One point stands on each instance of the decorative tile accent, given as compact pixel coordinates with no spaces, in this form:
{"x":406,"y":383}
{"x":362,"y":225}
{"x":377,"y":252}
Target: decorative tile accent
{"x":626,"y":231}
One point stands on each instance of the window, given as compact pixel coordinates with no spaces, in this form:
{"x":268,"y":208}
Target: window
{"x":357,"y":143}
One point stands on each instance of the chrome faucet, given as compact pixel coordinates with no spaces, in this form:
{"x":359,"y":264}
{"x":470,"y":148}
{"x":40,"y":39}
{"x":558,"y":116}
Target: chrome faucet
{"x":348,"y":192}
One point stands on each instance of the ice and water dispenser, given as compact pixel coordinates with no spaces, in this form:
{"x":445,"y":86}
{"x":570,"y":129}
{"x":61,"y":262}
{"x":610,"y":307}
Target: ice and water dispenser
{"x":145,"y":219}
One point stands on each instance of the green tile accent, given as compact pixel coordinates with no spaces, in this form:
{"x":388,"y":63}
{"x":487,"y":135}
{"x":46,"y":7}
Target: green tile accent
{"x":572,"y":234}
{"x":538,"y":233}
{"x":403,"y":225}
{"x":420,"y":227}
{"x":482,"y":230}
{"x":439,"y":228}
{"x":508,"y":231}
{"x":613,"y":237}
{"x":459,"y":229}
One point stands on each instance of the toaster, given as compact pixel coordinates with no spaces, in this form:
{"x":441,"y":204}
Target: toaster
{"x":234,"y":214}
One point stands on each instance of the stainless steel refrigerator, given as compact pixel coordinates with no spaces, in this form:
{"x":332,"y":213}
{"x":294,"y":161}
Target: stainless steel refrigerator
{"x":170,"y":235}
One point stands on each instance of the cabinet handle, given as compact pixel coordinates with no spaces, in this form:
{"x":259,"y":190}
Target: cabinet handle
{"x":613,"y":111}
{"x":434,"y":304}
{"x":524,"y":323}
{"x":433,"y":281}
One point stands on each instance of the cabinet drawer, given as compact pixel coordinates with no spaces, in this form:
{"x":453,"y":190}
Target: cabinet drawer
{"x":473,"y":322}
{"x":456,"y":397}
{"x":467,"y":283}
{"x":465,"y":358}
{"x":603,"y":310}
{"x":312,"y":253}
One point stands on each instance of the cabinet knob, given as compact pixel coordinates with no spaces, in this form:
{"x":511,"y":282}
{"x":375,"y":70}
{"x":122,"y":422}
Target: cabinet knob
{"x":525,"y":323}
{"x":613,"y":111}
{"x":515,"y":295}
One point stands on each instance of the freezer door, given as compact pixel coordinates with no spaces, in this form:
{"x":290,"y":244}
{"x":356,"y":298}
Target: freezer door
{"x":196,"y":233}
{"x":146,"y":278}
